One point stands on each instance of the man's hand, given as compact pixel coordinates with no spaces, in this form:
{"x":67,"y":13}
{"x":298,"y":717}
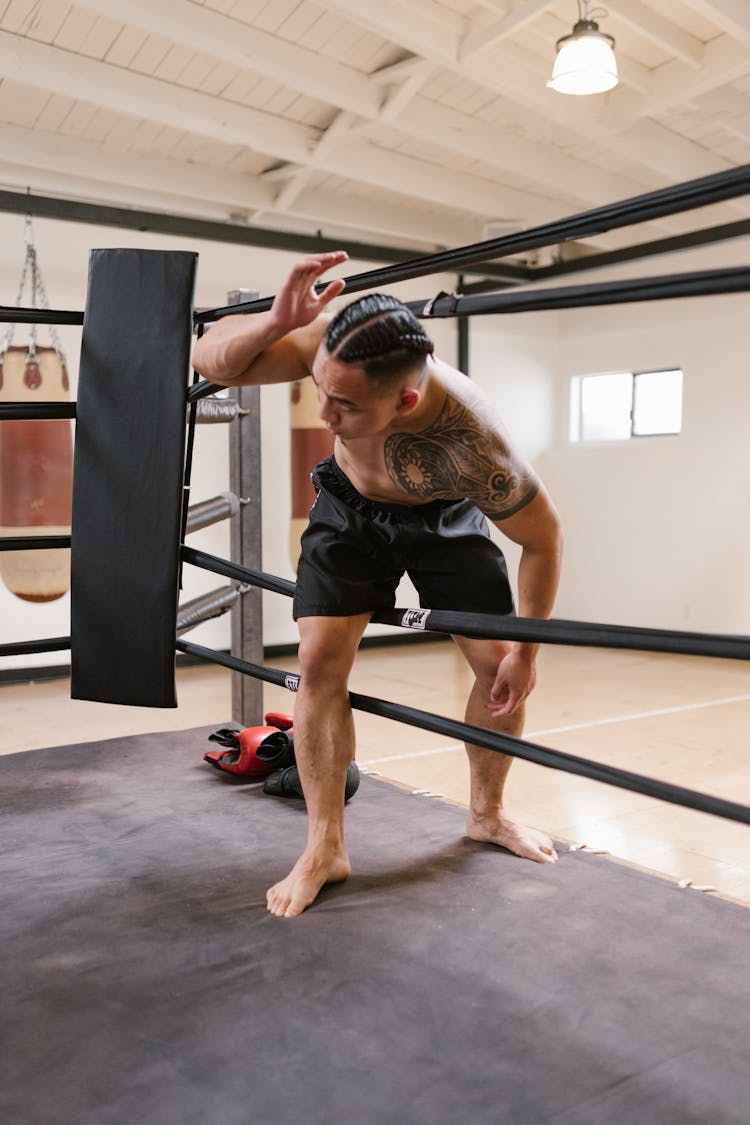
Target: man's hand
{"x":297,"y":303}
{"x":515,"y":679}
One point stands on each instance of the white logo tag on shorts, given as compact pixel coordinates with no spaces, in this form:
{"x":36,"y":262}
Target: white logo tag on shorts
{"x":291,"y":683}
{"x":414,"y":618}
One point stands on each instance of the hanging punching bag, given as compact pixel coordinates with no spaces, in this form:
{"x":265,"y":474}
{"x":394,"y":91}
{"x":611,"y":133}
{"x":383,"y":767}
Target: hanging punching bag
{"x":36,"y":474}
{"x":311,"y":443}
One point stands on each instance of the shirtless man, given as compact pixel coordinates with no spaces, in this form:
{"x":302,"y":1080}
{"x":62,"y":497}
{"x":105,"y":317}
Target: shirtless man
{"x":419,"y":460}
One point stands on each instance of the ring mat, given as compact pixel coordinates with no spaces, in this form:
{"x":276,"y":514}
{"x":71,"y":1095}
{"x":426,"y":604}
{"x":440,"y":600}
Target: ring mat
{"x":445,"y":981}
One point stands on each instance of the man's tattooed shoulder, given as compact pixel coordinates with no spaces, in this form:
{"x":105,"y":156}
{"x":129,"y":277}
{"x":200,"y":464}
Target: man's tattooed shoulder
{"x":455,"y":457}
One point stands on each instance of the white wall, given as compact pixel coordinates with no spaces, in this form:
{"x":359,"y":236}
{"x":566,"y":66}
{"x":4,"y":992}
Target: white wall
{"x":658,"y":529}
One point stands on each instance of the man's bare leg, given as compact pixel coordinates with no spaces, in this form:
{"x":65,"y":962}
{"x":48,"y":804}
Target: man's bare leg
{"x":488,"y":822}
{"x":324,"y":747}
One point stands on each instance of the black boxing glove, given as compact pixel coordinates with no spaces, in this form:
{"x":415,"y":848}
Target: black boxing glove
{"x":287,"y":783}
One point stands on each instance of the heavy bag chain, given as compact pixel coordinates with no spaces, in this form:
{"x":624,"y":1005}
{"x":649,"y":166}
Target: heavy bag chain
{"x":32,"y":375}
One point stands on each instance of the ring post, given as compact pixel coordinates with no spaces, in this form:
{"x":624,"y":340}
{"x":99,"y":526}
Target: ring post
{"x":245,"y":533}
{"x":128,"y":475}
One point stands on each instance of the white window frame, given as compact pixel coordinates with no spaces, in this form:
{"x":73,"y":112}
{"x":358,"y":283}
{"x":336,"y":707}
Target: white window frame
{"x":576,"y":406}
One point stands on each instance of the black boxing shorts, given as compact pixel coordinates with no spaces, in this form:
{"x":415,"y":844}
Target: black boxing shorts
{"x":355,"y":551}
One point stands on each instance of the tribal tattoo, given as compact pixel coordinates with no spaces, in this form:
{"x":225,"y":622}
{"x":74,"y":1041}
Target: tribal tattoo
{"x":456,"y":457}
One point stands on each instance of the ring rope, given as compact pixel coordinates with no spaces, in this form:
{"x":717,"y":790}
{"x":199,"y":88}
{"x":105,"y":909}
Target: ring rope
{"x":10,"y":314}
{"x":701,"y":283}
{"x":500,"y":627}
{"x":33,"y":542}
{"x":219,"y":410}
{"x":492,"y":740}
{"x":637,"y":209}
{"x":235,"y":570}
{"x":25,"y":411}
{"x":25,"y":648}
{"x":557,"y":631}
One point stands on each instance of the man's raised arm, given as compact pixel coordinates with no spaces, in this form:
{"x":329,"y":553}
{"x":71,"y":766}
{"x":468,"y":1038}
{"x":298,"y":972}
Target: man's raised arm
{"x":275,"y":346}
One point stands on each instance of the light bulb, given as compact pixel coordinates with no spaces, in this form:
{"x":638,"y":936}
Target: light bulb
{"x":585,"y":62}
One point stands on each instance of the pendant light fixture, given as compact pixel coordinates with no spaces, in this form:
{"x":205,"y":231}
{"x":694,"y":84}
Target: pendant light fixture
{"x":585,"y":62}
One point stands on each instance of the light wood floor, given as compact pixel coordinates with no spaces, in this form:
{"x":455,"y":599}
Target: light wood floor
{"x":681,"y":719}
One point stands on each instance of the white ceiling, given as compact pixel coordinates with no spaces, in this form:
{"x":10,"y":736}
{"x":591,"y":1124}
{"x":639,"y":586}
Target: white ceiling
{"x":410,"y":122}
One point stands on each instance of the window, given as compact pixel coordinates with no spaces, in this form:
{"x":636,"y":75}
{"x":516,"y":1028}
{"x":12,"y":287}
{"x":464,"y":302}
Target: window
{"x":625,"y":404}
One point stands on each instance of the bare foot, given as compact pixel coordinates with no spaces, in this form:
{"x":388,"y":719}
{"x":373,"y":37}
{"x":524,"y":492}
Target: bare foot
{"x":302,"y":885}
{"x":507,"y":833}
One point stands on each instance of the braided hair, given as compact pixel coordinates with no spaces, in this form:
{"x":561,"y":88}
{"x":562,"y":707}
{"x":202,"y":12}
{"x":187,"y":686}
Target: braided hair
{"x":379,"y":334}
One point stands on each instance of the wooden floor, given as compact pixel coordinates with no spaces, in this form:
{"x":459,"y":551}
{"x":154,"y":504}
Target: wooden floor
{"x":681,"y":719}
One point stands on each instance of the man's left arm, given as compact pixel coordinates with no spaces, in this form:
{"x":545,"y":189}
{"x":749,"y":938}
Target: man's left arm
{"x":470,"y":455}
{"x":536,"y":528}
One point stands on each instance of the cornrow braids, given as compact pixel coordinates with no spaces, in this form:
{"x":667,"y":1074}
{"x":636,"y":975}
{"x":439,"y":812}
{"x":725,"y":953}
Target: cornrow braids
{"x":380,"y":334}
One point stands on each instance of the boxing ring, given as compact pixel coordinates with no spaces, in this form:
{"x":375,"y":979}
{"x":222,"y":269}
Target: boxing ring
{"x":444,"y":980}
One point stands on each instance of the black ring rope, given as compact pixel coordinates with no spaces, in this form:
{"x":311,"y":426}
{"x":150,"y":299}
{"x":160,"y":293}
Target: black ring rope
{"x":10,"y":314}
{"x":33,"y":542}
{"x":702,"y":283}
{"x":25,"y":411}
{"x":25,"y":648}
{"x":557,"y":631}
{"x":636,"y":209}
{"x":492,"y":740}
{"x":203,"y":389}
{"x":237,"y":571}
{"x":499,"y":627}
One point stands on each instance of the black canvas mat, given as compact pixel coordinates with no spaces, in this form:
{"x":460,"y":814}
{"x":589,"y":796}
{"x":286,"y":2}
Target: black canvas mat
{"x":445,"y":982}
